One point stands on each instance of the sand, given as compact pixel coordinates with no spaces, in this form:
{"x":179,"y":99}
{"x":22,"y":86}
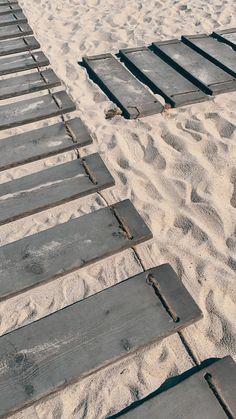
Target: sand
{"x":178,"y":169}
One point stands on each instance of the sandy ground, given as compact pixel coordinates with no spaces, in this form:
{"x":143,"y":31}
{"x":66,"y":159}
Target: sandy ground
{"x":179,"y":171}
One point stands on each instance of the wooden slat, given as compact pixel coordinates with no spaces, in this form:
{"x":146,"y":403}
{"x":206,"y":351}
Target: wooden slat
{"x":29,"y":83}
{"x":206,"y":394}
{"x":161,"y":77}
{"x":41,"y":143}
{"x":217,"y":52}
{"x":12,"y":19}
{"x":62,"y":249}
{"x":198,"y":69}
{"x":40,"y":358}
{"x":15,"y":31}
{"x":122,"y":87}
{"x":7,"y":2}
{"x":13,"y":46}
{"x":14,"y":8}
{"x":228,"y":36}
{"x":51,"y":187}
{"x":22,"y":62}
{"x":27,"y":111}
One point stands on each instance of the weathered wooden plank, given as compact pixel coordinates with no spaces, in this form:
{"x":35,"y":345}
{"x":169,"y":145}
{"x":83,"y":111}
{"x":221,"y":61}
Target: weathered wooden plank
{"x":40,"y":358}
{"x":6,"y":9}
{"x":29,"y":83}
{"x":122,"y":87}
{"x":12,"y":19}
{"x":48,"y":188}
{"x":199,"y":70}
{"x":41,"y":143}
{"x":227,"y":35}
{"x":62,"y":249}
{"x":208,"y":393}
{"x":161,"y":77}
{"x":7,"y":2}
{"x":22,"y":62}
{"x":13,"y":46}
{"x":15,"y":31}
{"x":217,"y":52}
{"x":35,"y":109}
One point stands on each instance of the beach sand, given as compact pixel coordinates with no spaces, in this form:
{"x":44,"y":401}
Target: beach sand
{"x":179,"y":170}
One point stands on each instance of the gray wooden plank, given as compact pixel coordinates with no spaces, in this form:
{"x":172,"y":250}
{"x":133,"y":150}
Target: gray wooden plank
{"x":27,"y":111}
{"x":41,"y":143}
{"x":13,"y":46}
{"x":42,"y":257}
{"x":51,"y":187}
{"x":12,"y":19}
{"x":22,"y":62}
{"x":11,"y":8}
{"x":15,"y":31}
{"x":7,"y":2}
{"x":198,"y":69}
{"x":217,"y":52}
{"x":122,"y":87}
{"x":227,"y":35}
{"x":161,"y":77}
{"x":46,"y":355}
{"x":29,"y":83}
{"x":193,"y":397}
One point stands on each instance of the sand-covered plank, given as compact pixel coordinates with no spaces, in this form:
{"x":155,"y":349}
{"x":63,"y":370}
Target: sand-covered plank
{"x":13,"y":46}
{"x":226,"y":35}
{"x":27,"y":111}
{"x":22,"y":62}
{"x":15,"y":31}
{"x":48,"y":188}
{"x":12,"y":19}
{"x":122,"y":87}
{"x":199,"y":70}
{"x":42,"y":357}
{"x":161,"y":77}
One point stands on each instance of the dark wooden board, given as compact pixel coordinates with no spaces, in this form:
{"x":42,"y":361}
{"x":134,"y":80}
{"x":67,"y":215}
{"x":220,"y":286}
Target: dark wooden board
{"x":15,"y":31}
{"x":12,"y":19}
{"x":193,"y":397}
{"x":13,"y":46}
{"x":46,"y":355}
{"x":228,"y":36}
{"x":7,"y":2}
{"x":215,"y":51}
{"x":41,"y":143}
{"x":29,"y":83}
{"x":122,"y":87}
{"x":51,"y":187}
{"x":27,"y":111}
{"x":198,"y":69}
{"x":14,"y":8}
{"x":44,"y":256}
{"x":161,"y":77}
{"x":22,"y":62}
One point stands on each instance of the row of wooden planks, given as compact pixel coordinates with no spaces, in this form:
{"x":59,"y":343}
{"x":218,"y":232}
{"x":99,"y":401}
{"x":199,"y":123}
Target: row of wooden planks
{"x":182,"y":72}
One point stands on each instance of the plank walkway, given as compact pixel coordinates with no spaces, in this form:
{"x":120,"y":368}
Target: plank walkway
{"x":12,"y":19}
{"x":228,"y":36}
{"x":208,"y":393}
{"x":22,"y":62}
{"x":13,"y":46}
{"x":40,"y":358}
{"x":15,"y":31}
{"x":14,"y":8}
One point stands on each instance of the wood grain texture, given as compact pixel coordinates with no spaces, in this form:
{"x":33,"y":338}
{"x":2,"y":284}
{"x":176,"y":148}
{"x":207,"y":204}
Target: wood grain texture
{"x":6,"y":9}
{"x":42,"y":357}
{"x":13,"y":46}
{"x":67,"y":247}
{"x":12,"y":19}
{"x":35,"y":109}
{"x":15,"y":31}
{"x":48,"y":188}
{"x":192,"y":397}
{"x":22,"y":62}
{"x":41,"y":143}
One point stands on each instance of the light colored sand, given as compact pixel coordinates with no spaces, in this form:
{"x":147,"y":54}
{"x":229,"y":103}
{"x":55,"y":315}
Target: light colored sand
{"x":179,"y":171}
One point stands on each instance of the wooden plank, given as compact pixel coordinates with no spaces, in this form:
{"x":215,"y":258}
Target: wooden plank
{"x":51,"y":187}
{"x":22,"y":62}
{"x":7,"y":2}
{"x":42,"y":257}
{"x":46,"y":355}
{"x":41,"y":143}
{"x":13,"y":46}
{"x":122,"y":87}
{"x":227,"y":35}
{"x":208,"y":393}
{"x":12,"y":19}
{"x":199,"y":70}
{"x":217,"y":52}
{"x":15,"y":31}
{"x":161,"y":77}
{"x":14,"y":8}
{"x":27,"y":111}
{"x":29,"y":83}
